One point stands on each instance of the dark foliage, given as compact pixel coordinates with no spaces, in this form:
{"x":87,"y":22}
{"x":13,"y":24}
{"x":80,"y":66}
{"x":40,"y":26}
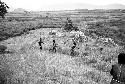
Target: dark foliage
{"x":113,"y":28}
{"x":69,"y":25}
{"x":3,"y":9}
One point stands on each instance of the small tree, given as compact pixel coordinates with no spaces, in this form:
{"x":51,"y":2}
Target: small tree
{"x":3,"y":9}
{"x":69,"y":25}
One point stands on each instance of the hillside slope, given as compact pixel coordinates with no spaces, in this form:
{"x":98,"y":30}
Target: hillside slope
{"x":30,"y":65}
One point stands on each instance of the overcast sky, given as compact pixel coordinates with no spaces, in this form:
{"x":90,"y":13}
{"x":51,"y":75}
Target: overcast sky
{"x":45,"y":4}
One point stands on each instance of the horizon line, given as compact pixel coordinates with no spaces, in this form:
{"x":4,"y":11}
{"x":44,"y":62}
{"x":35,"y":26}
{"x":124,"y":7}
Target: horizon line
{"x":12,"y":8}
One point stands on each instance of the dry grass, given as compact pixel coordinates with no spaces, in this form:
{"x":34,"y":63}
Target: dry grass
{"x":29,"y":65}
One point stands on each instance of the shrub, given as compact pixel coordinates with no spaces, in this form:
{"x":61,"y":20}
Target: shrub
{"x":3,"y":9}
{"x":2,"y":48}
{"x":69,"y":25}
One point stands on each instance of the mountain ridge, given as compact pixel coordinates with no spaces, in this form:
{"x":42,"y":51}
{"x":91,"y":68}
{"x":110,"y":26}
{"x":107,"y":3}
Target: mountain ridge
{"x":67,"y":6}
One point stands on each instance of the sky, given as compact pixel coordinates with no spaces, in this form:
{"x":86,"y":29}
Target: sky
{"x":37,"y":5}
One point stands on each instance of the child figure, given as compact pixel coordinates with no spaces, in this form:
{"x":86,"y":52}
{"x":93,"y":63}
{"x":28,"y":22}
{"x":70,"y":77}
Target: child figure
{"x":40,"y":43}
{"x":72,"y":48}
{"x":54,"y":46}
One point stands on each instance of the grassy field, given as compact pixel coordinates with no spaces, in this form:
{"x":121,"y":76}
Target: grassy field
{"x":107,"y":23}
{"x":24,"y":63}
{"x":27,"y":64}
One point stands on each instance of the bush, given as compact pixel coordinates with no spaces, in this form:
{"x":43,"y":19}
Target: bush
{"x":3,"y":9}
{"x":69,"y":25}
{"x":2,"y":48}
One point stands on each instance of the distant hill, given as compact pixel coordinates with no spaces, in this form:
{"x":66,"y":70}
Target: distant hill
{"x":19,"y":10}
{"x":68,"y":6}
{"x":73,"y":6}
{"x":113,"y":6}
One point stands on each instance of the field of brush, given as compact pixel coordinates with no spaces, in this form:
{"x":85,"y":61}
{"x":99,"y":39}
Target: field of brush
{"x":25,"y":63}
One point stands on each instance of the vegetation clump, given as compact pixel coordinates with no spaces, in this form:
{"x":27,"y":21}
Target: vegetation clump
{"x":2,"y":48}
{"x":3,"y":9}
{"x":69,"y":25}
